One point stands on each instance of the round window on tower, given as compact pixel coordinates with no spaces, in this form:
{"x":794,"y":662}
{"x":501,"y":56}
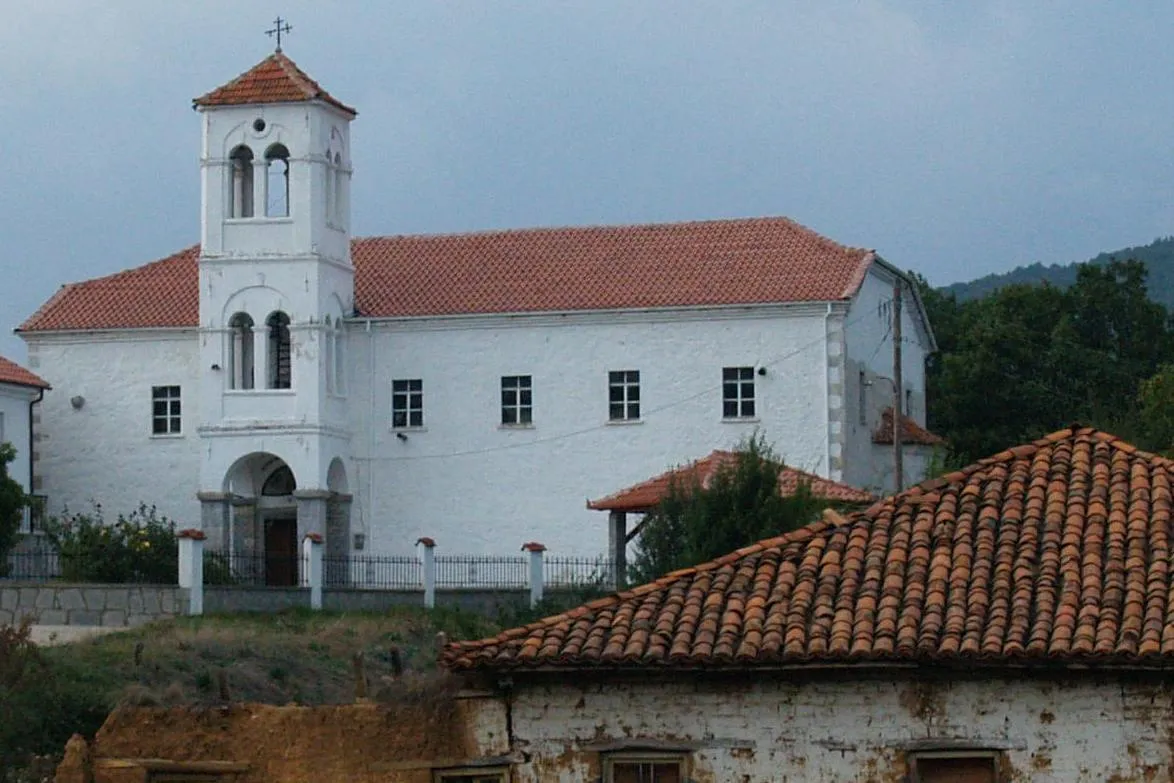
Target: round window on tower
{"x":258,"y":125}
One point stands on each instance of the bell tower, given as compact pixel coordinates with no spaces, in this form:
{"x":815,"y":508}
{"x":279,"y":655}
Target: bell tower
{"x":276,"y":285}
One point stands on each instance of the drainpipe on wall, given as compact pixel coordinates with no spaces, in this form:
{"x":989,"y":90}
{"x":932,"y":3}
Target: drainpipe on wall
{"x":40,"y":396}
{"x":827,"y":390}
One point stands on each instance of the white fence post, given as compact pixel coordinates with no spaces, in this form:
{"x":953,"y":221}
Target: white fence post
{"x":536,"y":575}
{"x":312,"y":555}
{"x":428,"y":563}
{"x":191,"y":567}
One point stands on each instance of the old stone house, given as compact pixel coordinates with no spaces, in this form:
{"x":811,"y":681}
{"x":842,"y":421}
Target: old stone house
{"x":1011,"y":621}
{"x":282,"y":377}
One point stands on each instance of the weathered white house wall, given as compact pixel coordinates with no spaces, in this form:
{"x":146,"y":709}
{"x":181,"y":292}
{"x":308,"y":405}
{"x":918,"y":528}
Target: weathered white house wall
{"x":14,"y":428}
{"x":475,"y":485}
{"x":863,"y":730}
{"x":104,"y":451}
{"x":868,"y":382}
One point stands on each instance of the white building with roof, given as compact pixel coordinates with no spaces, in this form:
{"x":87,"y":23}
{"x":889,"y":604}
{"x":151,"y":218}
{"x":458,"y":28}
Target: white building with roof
{"x":20,"y":391}
{"x":281,"y":377}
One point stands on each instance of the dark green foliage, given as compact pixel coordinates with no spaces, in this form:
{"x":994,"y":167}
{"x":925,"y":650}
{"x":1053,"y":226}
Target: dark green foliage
{"x":12,"y":503}
{"x":1158,"y":256}
{"x":741,"y":505}
{"x":139,"y":547}
{"x":1028,"y":360}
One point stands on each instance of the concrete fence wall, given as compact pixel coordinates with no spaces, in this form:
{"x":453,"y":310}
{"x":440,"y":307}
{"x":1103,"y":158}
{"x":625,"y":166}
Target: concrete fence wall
{"x":130,"y":605}
{"x":89,"y":604}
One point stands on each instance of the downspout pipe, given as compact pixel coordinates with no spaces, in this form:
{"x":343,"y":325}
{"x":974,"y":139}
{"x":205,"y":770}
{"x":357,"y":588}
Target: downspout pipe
{"x":40,"y":396}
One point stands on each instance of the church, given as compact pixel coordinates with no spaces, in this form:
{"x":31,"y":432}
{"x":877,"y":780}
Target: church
{"x":282,"y":377}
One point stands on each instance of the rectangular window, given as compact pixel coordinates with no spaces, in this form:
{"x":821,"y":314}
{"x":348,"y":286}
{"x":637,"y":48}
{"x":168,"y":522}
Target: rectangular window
{"x":644,"y":770}
{"x":516,"y":400}
{"x":165,"y":410}
{"x":908,"y":402}
{"x":407,"y":403}
{"x":738,"y":392}
{"x":954,"y":769}
{"x":470,"y":776}
{"x":862,"y":398}
{"x":623,"y":395}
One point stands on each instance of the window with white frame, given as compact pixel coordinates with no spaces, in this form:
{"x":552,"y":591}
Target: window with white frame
{"x":623,"y":395}
{"x":516,"y":400}
{"x":165,"y":411}
{"x":738,"y":392}
{"x":407,"y":403}
{"x":474,"y":775}
{"x":643,"y":769}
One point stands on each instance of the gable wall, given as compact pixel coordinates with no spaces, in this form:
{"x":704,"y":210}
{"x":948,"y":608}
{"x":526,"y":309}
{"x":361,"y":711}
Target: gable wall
{"x":869,"y":350}
{"x":849,"y":730}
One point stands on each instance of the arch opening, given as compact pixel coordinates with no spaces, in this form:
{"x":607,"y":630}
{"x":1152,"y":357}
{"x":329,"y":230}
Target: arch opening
{"x":280,"y":370}
{"x":240,"y":194}
{"x":240,"y":352}
{"x":277,"y":181}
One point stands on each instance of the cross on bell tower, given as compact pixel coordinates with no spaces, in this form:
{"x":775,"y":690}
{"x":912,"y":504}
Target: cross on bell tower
{"x":278,"y":29}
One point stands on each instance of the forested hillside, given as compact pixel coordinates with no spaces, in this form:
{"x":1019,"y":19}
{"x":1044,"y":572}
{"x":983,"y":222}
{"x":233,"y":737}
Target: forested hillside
{"x":1158,"y":256}
{"x":1026,"y":360}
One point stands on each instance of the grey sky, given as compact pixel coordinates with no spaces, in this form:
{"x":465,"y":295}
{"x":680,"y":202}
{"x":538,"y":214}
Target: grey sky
{"x":956,"y":138}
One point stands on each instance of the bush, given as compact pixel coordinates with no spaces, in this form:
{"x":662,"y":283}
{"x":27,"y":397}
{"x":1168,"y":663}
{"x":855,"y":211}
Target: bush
{"x":740,"y":505}
{"x":12,"y":504}
{"x":139,"y":547}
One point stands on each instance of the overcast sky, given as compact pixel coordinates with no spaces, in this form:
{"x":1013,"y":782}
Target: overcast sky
{"x":956,"y":138}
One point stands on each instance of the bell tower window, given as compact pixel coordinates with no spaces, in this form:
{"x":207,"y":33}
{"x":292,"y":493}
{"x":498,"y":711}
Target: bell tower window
{"x":280,"y":369}
{"x":240,"y":195}
{"x":277,"y":182}
{"x":240,"y":352}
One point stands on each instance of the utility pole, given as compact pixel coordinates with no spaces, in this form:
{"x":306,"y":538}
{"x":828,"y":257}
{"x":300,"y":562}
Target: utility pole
{"x":898,"y":389}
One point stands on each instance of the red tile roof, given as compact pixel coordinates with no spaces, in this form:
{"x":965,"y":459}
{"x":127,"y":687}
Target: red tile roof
{"x":11,"y":372}
{"x":707,"y":263}
{"x":1052,"y":553}
{"x":911,"y":432}
{"x":276,"y":79}
{"x":648,"y":494}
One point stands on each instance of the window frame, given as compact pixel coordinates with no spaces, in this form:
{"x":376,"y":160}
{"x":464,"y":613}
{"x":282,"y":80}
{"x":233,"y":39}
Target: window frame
{"x":652,"y":757}
{"x":407,"y":395}
{"x":522,"y":412}
{"x":173,"y":414}
{"x":625,"y":382}
{"x":743,"y":378}
{"x":913,"y":760}
{"x":453,"y":774}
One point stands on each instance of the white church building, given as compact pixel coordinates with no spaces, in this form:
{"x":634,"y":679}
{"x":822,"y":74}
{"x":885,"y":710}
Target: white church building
{"x":282,"y":377}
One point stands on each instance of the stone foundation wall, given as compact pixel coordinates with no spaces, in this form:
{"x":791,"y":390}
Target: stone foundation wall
{"x":82,"y":604}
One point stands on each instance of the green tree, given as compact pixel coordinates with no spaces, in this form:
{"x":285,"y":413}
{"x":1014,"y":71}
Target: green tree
{"x":1029,"y":359}
{"x":740,"y":505}
{"x":12,"y":503}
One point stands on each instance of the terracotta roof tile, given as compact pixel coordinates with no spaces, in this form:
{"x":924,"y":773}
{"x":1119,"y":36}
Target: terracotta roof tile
{"x":276,"y":79}
{"x":648,"y":494}
{"x":11,"y":372}
{"x":707,"y":263}
{"x":911,"y":431}
{"x":1054,"y":553}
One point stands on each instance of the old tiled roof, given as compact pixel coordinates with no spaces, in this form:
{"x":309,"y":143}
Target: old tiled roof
{"x":911,"y":431}
{"x":276,"y":79}
{"x":1053,"y":553}
{"x":715,"y":262}
{"x":648,"y":494}
{"x":11,"y":372}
